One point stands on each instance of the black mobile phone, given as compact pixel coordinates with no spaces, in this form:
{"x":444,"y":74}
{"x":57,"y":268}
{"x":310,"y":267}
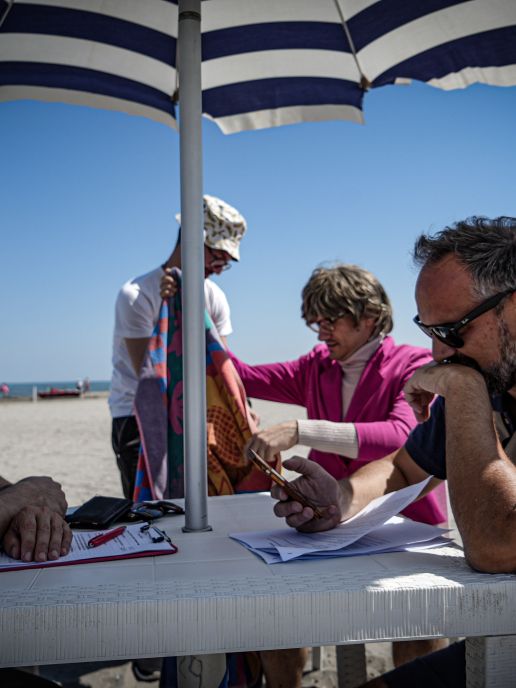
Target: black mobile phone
{"x":277,"y":478}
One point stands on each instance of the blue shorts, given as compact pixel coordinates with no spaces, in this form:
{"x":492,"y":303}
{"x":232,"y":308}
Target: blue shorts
{"x":442,"y":669}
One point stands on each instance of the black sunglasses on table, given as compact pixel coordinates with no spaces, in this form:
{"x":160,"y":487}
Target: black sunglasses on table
{"x":152,"y":510}
{"x":447,"y":333}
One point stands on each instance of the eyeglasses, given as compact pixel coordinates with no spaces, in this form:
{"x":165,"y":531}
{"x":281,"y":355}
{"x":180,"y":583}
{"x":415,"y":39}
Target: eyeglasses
{"x":150,"y":511}
{"x":447,"y":333}
{"x":219,"y":259}
{"x":327,"y":324}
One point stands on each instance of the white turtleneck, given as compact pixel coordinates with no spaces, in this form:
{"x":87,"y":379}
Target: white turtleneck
{"x":340,"y":438}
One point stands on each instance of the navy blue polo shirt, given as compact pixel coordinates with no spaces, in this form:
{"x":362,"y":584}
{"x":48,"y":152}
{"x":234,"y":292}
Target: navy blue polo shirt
{"x":426,"y":444}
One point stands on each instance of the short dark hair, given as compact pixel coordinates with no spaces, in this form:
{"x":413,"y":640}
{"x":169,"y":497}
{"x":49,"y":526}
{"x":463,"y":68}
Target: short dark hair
{"x":485,"y":247}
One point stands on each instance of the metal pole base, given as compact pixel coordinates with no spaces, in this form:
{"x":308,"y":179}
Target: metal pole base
{"x":196,"y":530}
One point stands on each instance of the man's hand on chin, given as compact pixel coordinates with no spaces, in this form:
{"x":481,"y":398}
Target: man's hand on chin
{"x":440,"y":379}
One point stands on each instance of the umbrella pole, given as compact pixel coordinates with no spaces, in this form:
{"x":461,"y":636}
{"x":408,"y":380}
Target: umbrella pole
{"x":192,"y":261}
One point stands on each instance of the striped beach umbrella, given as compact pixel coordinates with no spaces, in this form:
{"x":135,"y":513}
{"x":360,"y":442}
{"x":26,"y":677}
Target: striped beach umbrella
{"x":264,"y":63}
{"x":261,"y":63}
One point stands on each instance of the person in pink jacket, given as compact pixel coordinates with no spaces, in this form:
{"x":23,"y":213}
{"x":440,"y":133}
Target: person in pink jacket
{"x":351,"y":384}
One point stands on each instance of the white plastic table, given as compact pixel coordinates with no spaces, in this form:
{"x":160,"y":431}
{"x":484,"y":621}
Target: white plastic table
{"x":214,"y":596}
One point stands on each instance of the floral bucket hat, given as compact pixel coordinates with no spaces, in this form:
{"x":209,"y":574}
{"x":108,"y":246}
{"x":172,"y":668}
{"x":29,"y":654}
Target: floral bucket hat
{"x":224,"y":226}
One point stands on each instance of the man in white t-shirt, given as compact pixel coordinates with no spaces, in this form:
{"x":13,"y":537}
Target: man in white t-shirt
{"x":136,"y":313}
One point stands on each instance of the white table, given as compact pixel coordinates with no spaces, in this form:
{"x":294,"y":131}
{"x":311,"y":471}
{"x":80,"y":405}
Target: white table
{"x":214,"y":596}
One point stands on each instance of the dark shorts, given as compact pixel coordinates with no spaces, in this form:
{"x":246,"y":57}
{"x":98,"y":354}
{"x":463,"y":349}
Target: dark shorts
{"x":442,"y":669}
{"x":125,"y":439}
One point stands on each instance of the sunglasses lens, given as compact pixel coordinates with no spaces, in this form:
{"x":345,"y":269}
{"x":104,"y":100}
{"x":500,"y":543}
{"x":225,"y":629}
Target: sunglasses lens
{"x":146,"y":512}
{"x":443,"y":334}
{"x":425,"y":329}
{"x":449,"y":338}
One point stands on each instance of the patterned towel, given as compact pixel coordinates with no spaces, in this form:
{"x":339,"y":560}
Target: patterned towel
{"x":159,"y":412}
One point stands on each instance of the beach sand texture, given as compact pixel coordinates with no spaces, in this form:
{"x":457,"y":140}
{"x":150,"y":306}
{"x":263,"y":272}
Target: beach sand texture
{"x":70,"y":440}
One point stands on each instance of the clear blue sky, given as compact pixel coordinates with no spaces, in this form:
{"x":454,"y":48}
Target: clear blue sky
{"x":88,"y":199}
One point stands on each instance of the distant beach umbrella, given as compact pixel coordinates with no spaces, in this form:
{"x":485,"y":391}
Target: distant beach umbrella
{"x":264,"y":63}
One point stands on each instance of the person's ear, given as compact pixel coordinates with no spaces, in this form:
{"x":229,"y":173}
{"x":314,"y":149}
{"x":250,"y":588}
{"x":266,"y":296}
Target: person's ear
{"x":368,"y":325}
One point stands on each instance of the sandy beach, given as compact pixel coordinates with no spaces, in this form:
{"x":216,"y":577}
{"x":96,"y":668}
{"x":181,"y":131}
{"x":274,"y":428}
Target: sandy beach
{"x":69,"y":439}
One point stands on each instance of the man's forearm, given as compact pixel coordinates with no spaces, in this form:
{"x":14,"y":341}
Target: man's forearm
{"x":481,"y":478}
{"x":374,"y":480}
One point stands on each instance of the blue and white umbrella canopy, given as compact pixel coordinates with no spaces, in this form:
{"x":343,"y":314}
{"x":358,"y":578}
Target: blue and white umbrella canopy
{"x":264,"y":63}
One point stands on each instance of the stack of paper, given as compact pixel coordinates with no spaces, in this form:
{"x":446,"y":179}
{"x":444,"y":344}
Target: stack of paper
{"x":374,"y":529}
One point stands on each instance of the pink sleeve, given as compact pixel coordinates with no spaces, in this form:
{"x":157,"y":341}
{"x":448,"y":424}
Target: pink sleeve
{"x":283,"y":382}
{"x":379,"y":438}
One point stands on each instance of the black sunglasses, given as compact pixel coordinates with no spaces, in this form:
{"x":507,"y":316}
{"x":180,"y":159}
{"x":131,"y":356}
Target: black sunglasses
{"x":150,"y":511}
{"x":448,"y":332}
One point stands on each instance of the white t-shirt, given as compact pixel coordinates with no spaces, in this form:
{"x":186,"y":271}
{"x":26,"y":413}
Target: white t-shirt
{"x":136,"y":313}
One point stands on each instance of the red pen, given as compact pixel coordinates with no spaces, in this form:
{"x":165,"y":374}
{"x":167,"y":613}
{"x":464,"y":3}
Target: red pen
{"x":105,"y":537}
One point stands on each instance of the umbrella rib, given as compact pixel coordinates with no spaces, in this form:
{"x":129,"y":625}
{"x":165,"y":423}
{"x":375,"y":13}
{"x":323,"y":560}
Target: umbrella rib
{"x":365,"y":84}
{"x":8,"y":8}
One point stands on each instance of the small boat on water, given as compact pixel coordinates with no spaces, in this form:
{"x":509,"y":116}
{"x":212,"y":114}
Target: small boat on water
{"x":57,"y":392}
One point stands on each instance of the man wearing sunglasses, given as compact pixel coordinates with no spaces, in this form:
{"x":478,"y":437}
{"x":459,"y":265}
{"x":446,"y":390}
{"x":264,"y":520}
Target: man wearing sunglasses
{"x":466,"y":299}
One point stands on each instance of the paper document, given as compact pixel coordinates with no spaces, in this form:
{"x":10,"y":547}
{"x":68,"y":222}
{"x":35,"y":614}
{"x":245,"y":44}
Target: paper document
{"x":374,"y":529}
{"x":132,"y":543}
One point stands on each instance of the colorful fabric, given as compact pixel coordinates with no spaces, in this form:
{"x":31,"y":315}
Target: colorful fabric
{"x":159,"y":411}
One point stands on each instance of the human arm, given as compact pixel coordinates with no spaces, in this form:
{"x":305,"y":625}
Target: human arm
{"x":268,"y":442}
{"x":342,"y":499}
{"x":481,"y":477}
{"x":167,"y":285}
{"x":31,"y":520}
{"x":216,"y":302}
{"x":283,"y":382}
{"x":136,"y":311}
{"x":137,"y":348}
{"x":382,"y":416}
{"x":338,"y":438}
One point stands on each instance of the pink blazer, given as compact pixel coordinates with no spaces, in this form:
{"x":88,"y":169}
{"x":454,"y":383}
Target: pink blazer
{"x":382,"y":417}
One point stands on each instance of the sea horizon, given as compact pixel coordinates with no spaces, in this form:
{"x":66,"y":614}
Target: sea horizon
{"x":24,"y":389}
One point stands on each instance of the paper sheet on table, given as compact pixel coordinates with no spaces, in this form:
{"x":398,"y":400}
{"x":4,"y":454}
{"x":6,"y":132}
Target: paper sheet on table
{"x":291,"y":544}
{"x":132,"y":543}
{"x":396,"y":535}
